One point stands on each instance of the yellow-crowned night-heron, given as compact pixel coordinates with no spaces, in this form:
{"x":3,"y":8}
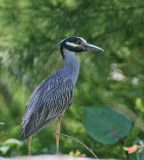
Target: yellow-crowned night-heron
{"x":55,"y":93}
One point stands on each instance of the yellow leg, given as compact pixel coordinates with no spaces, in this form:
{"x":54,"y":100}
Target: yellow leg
{"x":57,"y":136}
{"x":30,"y":144}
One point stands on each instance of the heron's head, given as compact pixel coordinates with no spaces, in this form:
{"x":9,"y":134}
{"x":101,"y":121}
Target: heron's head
{"x":78,"y":44}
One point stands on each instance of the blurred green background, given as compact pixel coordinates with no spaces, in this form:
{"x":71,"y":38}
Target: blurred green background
{"x":29,"y":32}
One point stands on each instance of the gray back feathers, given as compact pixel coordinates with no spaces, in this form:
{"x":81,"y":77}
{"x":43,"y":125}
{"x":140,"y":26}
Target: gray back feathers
{"x":52,"y":96}
{"x":48,"y":101}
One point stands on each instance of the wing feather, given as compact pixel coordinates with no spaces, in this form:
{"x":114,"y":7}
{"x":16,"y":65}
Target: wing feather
{"x":48,"y":101}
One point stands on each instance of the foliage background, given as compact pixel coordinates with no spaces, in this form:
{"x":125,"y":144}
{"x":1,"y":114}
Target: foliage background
{"x":29,"y":32}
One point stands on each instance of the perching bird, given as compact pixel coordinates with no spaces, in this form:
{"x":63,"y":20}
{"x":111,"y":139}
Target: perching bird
{"x":55,"y":93}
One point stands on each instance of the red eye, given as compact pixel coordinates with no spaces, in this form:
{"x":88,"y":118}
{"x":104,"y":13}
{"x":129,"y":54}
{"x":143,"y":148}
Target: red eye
{"x":79,"y":42}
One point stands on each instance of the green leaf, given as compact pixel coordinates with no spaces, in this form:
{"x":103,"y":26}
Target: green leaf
{"x":106,"y":125}
{"x":4,"y":149}
{"x":12,"y":142}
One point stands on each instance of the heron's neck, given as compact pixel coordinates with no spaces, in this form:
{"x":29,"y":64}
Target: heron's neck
{"x":71,"y":64}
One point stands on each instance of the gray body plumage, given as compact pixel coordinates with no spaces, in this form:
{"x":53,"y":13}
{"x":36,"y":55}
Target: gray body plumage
{"x":54,"y":94}
{"x":51,"y":97}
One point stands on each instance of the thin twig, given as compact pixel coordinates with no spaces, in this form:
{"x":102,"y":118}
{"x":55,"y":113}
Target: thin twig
{"x":104,"y":34}
{"x":80,"y":143}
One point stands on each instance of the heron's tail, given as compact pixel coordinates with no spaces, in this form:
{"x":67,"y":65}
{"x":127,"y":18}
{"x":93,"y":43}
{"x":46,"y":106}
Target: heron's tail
{"x":31,"y":128}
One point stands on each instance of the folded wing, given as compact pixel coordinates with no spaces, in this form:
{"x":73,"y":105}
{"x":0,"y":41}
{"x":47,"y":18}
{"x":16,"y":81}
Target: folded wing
{"x":48,"y":101}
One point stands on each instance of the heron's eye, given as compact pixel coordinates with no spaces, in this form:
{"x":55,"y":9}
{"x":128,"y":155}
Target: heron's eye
{"x":79,"y":42}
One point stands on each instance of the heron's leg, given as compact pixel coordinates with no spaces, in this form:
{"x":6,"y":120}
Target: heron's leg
{"x":58,"y":131}
{"x":30,"y":144}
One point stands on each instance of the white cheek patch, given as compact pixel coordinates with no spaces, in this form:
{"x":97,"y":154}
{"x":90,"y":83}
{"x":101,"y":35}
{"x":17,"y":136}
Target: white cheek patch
{"x":83,"y":40}
{"x":72,"y":44}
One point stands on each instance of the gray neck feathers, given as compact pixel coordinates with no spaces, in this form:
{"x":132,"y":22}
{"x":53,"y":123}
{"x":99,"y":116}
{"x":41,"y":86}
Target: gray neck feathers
{"x":71,"y":65}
